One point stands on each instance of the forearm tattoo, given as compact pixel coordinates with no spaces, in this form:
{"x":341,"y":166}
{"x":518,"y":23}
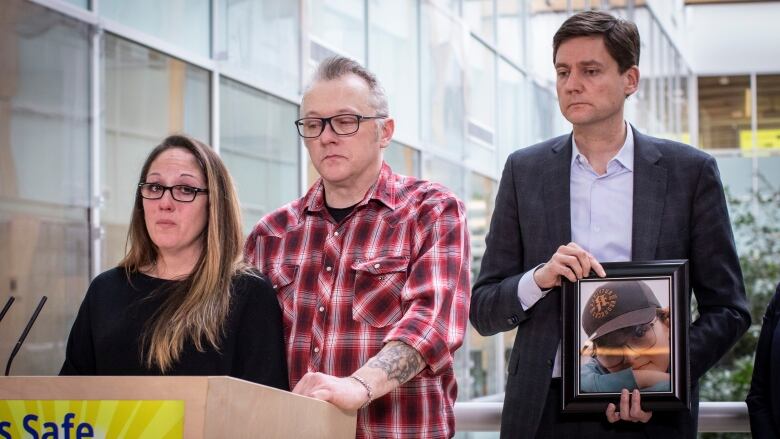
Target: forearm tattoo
{"x":399,"y":361}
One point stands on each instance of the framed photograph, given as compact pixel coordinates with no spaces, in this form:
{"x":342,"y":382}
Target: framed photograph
{"x":627,"y":330}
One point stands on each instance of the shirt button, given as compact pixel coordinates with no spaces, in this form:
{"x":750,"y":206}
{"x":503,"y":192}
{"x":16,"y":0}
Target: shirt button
{"x":328,"y":268}
{"x":275,"y":286}
{"x":335,"y":233}
{"x":376,"y":265}
{"x":316,"y":349}
{"x":322,"y":309}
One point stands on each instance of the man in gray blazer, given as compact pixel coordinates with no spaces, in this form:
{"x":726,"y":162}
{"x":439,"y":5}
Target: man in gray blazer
{"x":603,"y":193}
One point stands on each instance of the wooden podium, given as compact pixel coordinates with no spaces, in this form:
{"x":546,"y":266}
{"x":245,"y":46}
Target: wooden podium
{"x":214,"y":407}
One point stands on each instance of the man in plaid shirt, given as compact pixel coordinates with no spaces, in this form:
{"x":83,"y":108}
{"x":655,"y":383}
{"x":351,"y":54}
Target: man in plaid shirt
{"x":371,"y":268}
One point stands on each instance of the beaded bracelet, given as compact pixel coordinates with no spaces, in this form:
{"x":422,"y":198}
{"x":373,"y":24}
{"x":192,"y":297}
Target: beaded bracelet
{"x":368,"y":390}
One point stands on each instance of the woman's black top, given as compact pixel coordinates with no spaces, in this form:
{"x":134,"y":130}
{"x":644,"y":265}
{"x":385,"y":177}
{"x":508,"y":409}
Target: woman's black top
{"x":763,"y":399}
{"x":105,"y":338}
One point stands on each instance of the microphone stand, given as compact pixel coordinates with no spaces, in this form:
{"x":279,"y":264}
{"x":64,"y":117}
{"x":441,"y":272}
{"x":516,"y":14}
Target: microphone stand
{"x":24,"y":334}
{"x":5,"y":308}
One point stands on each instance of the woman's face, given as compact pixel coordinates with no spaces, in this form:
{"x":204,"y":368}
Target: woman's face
{"x":175,"y":226}
{"x":646,"y":350}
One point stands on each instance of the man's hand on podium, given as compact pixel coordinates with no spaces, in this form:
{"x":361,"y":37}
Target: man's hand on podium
{"x":345,"y":393}
{"x":394,"y":365}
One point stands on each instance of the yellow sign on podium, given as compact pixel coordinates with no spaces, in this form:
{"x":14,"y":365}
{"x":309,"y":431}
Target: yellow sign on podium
{"x":81,"y":419}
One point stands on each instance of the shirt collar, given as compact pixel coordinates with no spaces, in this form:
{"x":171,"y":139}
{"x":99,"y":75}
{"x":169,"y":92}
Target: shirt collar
{"x":625,"y":155}
{"x":383,"y":190}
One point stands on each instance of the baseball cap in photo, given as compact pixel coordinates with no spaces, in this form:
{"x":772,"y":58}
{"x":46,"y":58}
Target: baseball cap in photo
{"x":616,"y":305}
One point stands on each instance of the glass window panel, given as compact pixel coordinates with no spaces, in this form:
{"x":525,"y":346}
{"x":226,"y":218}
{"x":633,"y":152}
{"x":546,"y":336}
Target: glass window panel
{"x":147,"y":95}
{"x":511,"y":29}
{"x":736,"y":174}
{"x":444,"y":172}
{"x":665,"y":109}
{"x":442,"y":83}
{"x":547,"y":6}
{"x":44,"y":179}
{"x":583,"y":5}
{"x":620,"y":5}
{"x":681,"y":101}
{"x":260,"y":147}
{"x":339,"y":25}
{"x":481,"y":104}
{"x":511,"y":119}
{"x":656,"y":79}
{"x":452,"y":5}
{"x":479,"y":207}
{"x":640,"y":115}
{"x":311,"y":172}
{"x":768,"y":177}
{"x":480,"y":18}
{"x":660,"y":84}
{"x":44,"y":250}
{"x":685,"y":130}
{"x":392,"y":36}
{"x":546,"y":16}
{"x":674,"y":94}
{"x":80,"y":3}
{"x":263,"y":37}
{"x":45,"y":108}
{"x":768,"y":113}
{"x":544,"y":115}
{"x":185,"y":23}
{"x":649,"y":67}
{"x":724,"y":110}
{"x":484,"y":351}
{"x":403,"y":159}
{"x":481,"y":98}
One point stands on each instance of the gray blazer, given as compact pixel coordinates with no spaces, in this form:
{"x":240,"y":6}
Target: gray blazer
{"x":679,"y":212}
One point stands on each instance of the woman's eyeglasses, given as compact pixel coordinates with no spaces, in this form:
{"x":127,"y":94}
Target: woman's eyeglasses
{"x":179,"y":192}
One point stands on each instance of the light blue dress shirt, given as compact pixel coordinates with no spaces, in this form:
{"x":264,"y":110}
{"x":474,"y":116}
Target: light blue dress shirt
{"x":601,"y":216}
{"x":601,"y":205}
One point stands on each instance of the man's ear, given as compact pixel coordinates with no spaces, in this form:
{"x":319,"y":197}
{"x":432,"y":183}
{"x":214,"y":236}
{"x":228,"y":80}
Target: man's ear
{"x":631,"y":80}
{"x":386,"y":134}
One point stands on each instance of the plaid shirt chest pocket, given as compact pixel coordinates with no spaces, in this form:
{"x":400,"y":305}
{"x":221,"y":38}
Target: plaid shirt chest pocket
{"x":283,"y":280}
{"x":377,"y":290}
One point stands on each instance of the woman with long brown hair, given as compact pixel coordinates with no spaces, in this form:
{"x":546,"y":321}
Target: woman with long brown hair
{"x":182,"y":301}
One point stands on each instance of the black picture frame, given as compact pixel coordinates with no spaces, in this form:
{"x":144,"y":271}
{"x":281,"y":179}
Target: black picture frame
{"x":587,"y":385}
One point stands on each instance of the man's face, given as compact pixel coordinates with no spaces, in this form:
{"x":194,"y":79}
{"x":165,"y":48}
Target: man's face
{"x":590,"y":87}
{"x":345,"y":160}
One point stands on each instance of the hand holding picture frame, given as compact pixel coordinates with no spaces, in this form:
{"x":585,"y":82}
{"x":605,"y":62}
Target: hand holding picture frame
{"x":627,"y":330}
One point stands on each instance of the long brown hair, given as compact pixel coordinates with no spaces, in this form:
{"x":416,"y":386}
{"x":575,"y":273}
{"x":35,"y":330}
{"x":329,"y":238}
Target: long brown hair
{"x":195,"y":307}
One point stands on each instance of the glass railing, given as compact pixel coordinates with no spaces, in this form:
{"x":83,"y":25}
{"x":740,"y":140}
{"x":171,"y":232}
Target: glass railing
{"x":730,"y":416}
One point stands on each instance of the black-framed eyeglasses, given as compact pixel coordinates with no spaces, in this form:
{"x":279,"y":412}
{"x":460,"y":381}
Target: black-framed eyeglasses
{"x":341,"y":124}
{"x":179,"y":192}
{"x":642,"y":339}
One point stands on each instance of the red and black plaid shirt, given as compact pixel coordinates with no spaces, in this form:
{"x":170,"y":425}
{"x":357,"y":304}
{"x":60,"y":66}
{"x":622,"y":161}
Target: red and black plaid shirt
{"x":396,"y":268}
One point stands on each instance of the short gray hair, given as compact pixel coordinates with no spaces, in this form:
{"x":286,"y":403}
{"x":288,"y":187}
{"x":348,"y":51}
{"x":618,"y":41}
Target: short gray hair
{"x":337,"y":66}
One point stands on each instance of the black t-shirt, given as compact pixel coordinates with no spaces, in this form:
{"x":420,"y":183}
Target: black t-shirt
{"x":339,"y":213}
{"x":105,"y":338}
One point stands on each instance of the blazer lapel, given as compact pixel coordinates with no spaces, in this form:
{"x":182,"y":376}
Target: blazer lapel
{"x":649,"y":198}
{"x":556,"y":180}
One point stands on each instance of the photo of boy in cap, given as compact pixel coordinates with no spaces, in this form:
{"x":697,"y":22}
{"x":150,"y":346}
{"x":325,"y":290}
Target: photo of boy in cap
{"x":628,"y":338}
